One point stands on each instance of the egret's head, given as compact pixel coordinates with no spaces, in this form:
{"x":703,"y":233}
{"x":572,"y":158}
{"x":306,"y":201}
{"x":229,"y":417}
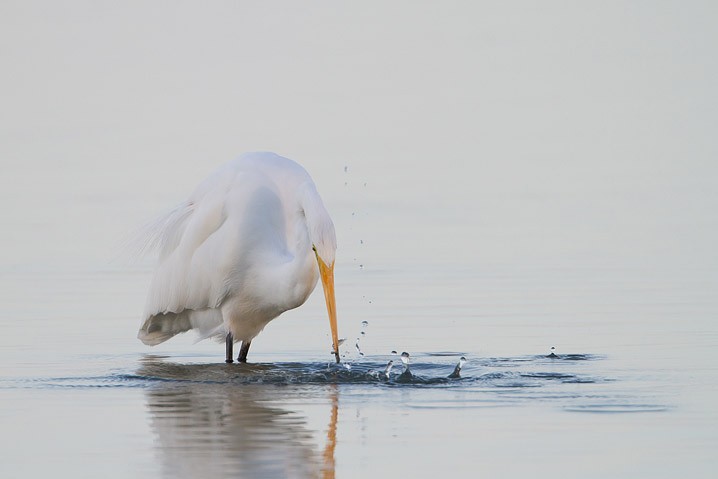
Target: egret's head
{"x":324,"y":241}
{"x":320,"y":227}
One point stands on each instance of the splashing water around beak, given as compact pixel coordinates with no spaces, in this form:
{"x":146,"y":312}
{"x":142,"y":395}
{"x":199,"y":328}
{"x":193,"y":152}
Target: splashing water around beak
{"x":389,"y":365}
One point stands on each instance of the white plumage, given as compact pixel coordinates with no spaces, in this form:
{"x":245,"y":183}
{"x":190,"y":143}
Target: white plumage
{"x":248,"y":244}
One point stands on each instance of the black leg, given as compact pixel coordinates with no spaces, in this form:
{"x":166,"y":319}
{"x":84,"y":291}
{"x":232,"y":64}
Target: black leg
{"x":229,"y":344}
{"x":243,"y":351}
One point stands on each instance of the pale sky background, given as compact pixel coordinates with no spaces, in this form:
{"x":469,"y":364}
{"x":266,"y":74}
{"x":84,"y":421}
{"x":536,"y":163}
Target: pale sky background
{"x":538,"y":133}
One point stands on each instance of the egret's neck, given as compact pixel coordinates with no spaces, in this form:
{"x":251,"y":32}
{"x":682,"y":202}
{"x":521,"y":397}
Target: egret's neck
{"x":308,"y":226}
{"x":297,"y":278}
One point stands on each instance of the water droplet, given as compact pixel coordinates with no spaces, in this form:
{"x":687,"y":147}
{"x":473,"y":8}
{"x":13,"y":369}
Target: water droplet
{"x":346,"y":168}
{"x":356,"y":345}
{"x":553,"y":354}
{"x":341,"y":341}
{"x":405,"y":358}
{"x":364,"y":325}
{"x":361,"y":241}
{"x":393,"y":351}
{"x":389,"y":365}
{"x":361,"y":266}
{"x":364,"y":184}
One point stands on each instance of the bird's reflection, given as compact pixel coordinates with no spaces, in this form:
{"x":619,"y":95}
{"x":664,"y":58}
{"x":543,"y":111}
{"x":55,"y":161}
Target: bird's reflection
{"x":215,"y":429}
{"x":328,"y":466}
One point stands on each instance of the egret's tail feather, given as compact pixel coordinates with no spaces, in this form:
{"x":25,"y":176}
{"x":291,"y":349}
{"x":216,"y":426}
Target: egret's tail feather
{"x":161,"y":234}
{"x":159,"y":328}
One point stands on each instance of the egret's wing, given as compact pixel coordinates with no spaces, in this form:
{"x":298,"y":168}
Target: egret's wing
{"x":196,"y":259}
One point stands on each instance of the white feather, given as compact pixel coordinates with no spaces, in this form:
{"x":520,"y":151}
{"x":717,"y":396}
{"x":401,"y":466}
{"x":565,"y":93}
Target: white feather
{"x":238,"y":252}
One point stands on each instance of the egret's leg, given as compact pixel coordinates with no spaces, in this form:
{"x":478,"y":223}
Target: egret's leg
{"x":243,"y":351}
{"x":229,"y":344}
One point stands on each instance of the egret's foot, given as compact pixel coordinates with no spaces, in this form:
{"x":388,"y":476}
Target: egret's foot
{"x":228,"y":347}
{"x":242,"y":358}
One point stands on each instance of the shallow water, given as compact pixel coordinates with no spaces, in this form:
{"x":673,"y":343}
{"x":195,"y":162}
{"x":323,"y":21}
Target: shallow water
{"x":503,"y":179}
{"x":632,"y":393}
{"x":91,"y":401}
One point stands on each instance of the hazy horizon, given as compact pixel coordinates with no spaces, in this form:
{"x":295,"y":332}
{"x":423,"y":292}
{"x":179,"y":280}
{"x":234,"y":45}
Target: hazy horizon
{"x":552,"y":133}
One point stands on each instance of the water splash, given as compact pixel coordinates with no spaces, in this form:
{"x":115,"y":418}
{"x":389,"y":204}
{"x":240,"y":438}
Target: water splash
{"x":553,"y":354}
{"x":457,"y":370}
{"x":406,"y":375}
{"x":515,"y":378}
{"x":389,"y":365}
{"x":340,"y":341}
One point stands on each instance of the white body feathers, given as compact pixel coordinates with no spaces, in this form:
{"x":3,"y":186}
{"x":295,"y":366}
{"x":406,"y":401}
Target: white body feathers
{"x":238,"y":252}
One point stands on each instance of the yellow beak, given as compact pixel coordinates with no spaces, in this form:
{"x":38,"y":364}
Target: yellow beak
{"x":327,"y":274}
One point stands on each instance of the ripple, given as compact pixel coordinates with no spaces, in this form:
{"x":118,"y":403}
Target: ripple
{"x":445,"y":354}
{"x":497,"y":376}
{"x":540,"y":375}
{"x":579,"y":357}
{"x":540,"y":359}
{"x":616,"y":408}
{"x":464,"y":404}
{"x":292,"y":373}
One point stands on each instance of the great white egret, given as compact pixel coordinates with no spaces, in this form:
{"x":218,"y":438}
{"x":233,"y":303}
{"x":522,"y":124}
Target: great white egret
{"x":249,"y":244}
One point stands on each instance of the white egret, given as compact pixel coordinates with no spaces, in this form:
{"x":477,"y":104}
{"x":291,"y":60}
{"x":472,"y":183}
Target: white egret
{"x":249,"y":244}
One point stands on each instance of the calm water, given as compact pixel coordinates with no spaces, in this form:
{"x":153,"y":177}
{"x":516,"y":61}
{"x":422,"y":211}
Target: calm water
{"x":504,"y":179}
